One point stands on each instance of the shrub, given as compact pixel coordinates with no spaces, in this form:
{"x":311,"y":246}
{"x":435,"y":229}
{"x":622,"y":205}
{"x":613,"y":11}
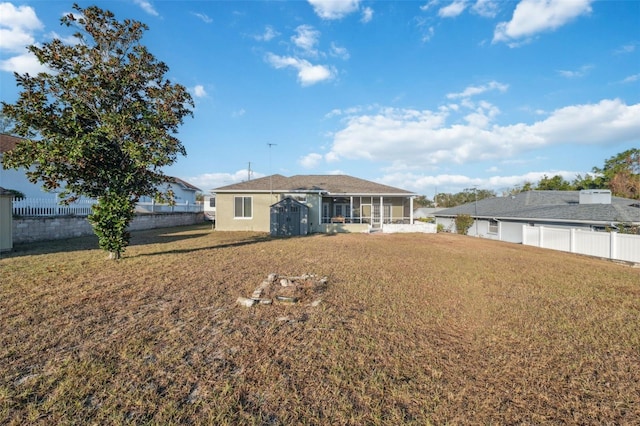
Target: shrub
{"x":463,"y":223}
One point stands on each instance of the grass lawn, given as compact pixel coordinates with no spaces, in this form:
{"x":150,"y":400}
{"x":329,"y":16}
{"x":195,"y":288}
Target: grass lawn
{"x":410,"y":329}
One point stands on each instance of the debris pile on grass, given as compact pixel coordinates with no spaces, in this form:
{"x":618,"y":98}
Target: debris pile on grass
{"x":283,"y":289}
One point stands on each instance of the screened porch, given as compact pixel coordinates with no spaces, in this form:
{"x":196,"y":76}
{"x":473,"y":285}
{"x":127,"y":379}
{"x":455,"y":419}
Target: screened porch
{"x":372,"y":210}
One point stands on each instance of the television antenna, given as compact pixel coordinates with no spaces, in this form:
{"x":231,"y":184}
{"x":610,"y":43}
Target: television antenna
{"x":270,"y":173}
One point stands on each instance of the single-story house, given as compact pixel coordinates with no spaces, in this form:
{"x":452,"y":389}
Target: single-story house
{"x":426,"y":212}
{"x":502,"y":218}
{"x":322,"y":203}
{"x":185,"y":193}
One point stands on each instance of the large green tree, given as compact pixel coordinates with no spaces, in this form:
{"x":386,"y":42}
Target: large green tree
{"x":621,"y":174}
{"x":556,"y":183}
{"x":101,"y":123}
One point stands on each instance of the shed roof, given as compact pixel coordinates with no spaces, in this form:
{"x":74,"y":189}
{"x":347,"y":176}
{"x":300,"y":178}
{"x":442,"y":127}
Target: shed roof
{"x":332,"y":184}
{"x":549,"y":206}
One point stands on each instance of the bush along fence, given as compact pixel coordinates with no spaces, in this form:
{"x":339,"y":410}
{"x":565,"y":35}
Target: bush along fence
{"x":610,"y":245}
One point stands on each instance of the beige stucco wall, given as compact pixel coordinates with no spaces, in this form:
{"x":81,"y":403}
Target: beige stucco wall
{"x":261,"y":218}
{"x":260,"y":221}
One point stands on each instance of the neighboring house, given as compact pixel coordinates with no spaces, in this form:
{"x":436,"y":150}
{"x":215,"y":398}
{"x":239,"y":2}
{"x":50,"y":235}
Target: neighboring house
{"x":323,"y":203}
{"x":17,"y":179}
{"x":426,"y":212}
{"x":502,"y":218}
{"x":185,"y":193}
{"x":210,"y":207}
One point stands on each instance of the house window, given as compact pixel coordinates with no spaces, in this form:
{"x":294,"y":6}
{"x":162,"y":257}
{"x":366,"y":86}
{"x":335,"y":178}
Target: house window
{"x":212,"y":202}
{"x":341,"y":210}
{"x":242,"y":207}
{"x":493,"y":226}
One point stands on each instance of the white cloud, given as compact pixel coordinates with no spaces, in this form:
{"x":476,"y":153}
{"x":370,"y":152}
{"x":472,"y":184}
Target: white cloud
{"x":627,"y":48}
{"x":15,"y":40}
{"x":334,"y":9}
{"x":367,"y":15}
{"x":268,"y":34}
{"x":17,"y":25}
{"x":209,"y":181}
{"x":425,"y":29}
{"x":448,"y":183}
{"x":306,"y":39}
{"x":147,"y":7}
{"x":308,"y":74}
{"x":419,"y":138}
{"x":453,"y":10}
{"x":632,"y":78}
{"x":310,"y":161}
{"x":199,"y":92}
{"x":429,"y":5}
{"x":534,"y":16}
{"x":239,"y":113}
{"x":477,"y":90}
{"x":486,"y":8}
{"x":580,"y":72}
{"x":340,"y":52}
{"x":22,"y":64}
{"x":205,"y":18}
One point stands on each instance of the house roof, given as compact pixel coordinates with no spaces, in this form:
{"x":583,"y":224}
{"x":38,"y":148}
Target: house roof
{"x":183,"y":183}
{"x":8,"y":142}
{"x":332,"y":184}
{"x":549,"y":206}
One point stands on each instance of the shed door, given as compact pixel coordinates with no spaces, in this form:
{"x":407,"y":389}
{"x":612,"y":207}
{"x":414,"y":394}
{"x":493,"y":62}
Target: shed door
{"x":287,"y":219}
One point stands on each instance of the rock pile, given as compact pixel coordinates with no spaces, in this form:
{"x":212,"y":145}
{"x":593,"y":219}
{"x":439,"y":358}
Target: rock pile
{"x":284,"y":289}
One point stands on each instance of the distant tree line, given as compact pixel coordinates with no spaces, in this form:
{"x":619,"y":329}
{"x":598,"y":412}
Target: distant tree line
{"x":620,"y":174}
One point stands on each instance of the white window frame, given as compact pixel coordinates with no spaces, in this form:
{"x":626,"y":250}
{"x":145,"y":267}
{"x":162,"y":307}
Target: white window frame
{"x":244,"y":216}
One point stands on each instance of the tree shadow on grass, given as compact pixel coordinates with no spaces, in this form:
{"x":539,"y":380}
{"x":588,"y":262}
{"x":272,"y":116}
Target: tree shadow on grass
{"x":90,"y":242}
{"x":36,"y":248}
{"x":253,"y":240}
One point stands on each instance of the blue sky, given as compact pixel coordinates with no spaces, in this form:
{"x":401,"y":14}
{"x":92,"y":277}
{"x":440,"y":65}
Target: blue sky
{"x":422,"y":95}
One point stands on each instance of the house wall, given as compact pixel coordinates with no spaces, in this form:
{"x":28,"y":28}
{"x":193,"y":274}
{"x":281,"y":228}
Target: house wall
{"x":511,"y":231}
{"x":314,"y":202}
{"x":334,"y":228}
{"x":181,"y":195}
{"x":261,"y":217}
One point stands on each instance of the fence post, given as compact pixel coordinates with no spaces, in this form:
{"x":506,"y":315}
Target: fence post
{"x":540,"y":237}
{"x":613,"y":242}
{"x":572,"y":240}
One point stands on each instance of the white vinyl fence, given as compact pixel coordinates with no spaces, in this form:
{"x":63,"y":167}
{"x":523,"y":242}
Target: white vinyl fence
{"x":611,"y":245}
{"x":51,"y":207}
{"x":82,"y":207}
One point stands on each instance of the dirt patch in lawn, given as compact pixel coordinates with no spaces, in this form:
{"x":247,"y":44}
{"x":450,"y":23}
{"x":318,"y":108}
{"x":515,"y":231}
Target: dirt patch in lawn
{"x":409,"y":329}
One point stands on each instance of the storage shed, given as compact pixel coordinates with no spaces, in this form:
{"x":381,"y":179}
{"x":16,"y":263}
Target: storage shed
{"x":6,"y":218}
{"x":289,"y":217}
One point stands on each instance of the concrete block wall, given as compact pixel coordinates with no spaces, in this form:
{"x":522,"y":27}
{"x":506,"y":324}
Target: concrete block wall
{"x":32,"y":229}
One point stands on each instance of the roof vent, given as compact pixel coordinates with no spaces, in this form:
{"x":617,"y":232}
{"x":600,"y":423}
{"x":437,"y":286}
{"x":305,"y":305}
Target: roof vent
{"x":595,"y":196}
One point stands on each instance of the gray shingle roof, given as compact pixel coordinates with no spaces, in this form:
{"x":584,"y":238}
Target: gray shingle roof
{"x":549,"y":206}
{"x":333,"y":184}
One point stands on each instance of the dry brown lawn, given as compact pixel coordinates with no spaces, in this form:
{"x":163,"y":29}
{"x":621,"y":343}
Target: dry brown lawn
{"x":411,"y":329}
